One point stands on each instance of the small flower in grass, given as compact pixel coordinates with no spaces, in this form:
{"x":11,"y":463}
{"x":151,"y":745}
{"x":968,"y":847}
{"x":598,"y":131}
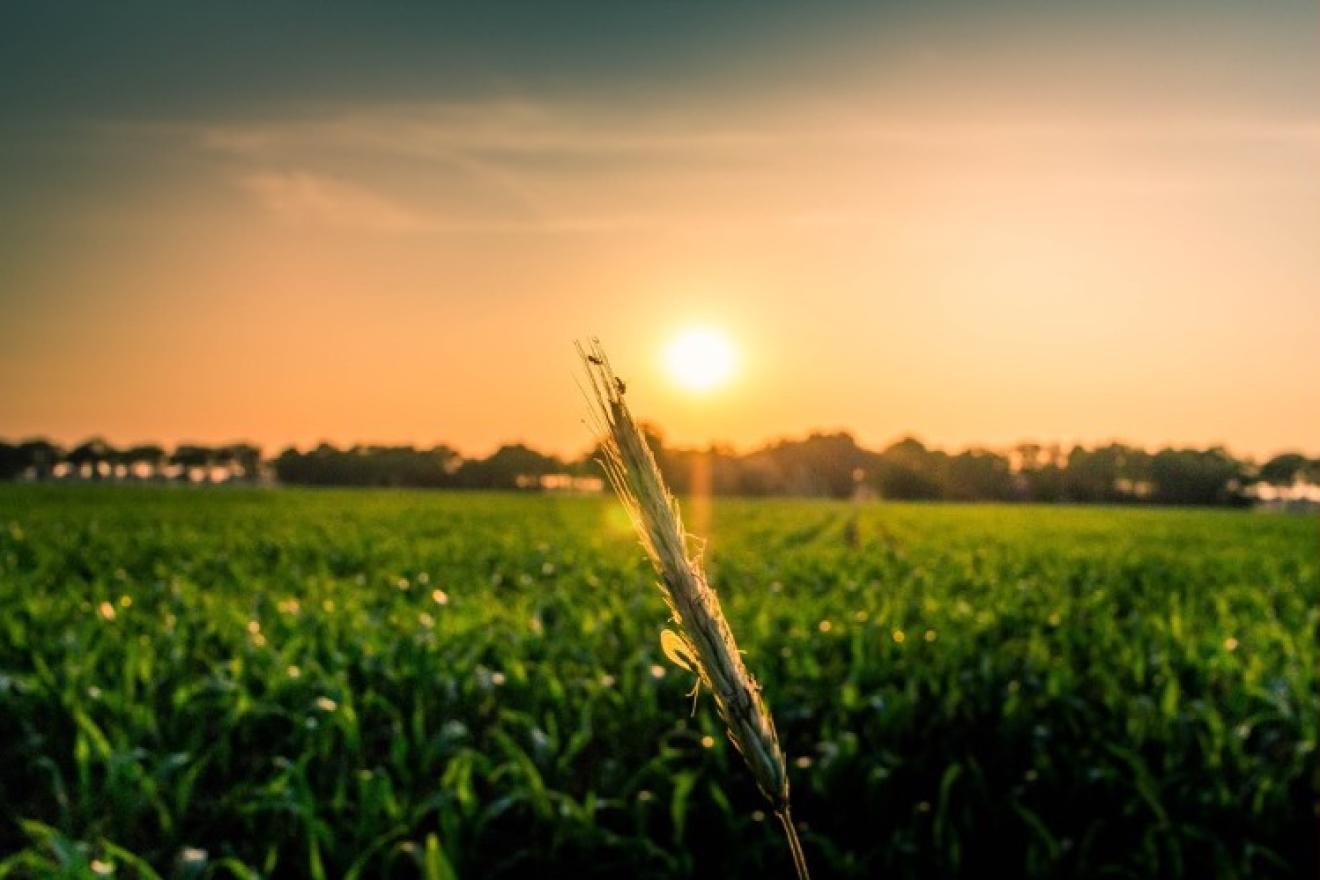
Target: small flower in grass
{"x":125,"y":601}
{"x":803,"y":762}
{"x":426,"y":620}
{"x":645,"y":796}
{"x":898,"y":636}
{"x":440,"y":597}
{"x":708,"y":742}
{"x":825,"y":626}
{"x":325,"y":704}
{"x":106,"y":610}
{"x":192,"y":856}
{"x":607,"y":680}
{"x":102,"y":868}
{"x":293,"y":672}
{"x":657,"y":671}
{"x":931,"y":635}
{"x":1230,"y":644}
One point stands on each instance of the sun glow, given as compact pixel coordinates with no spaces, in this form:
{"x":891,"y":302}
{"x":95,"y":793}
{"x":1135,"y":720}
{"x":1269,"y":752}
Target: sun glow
{"x":700,"y":359}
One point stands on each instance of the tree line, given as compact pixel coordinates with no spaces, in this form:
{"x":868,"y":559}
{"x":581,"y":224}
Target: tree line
{"x":96,"y":459}
{"x":823,"y":464}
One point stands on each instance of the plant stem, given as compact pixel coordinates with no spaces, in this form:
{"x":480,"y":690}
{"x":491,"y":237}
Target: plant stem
{"x":799,"y":858}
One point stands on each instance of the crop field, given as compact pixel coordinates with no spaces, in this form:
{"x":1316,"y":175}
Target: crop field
{"x":280,"y":683}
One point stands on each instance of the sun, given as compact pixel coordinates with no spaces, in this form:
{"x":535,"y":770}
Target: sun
{"x":700,"y":359}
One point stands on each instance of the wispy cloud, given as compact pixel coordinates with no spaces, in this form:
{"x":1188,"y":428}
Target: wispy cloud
{"x":515,"y":167}
{"x":516,"y":129}
{"x":302,"y":197}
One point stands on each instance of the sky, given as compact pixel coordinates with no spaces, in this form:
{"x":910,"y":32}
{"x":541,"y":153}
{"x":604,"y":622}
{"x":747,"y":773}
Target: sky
{"x":979,"y":223}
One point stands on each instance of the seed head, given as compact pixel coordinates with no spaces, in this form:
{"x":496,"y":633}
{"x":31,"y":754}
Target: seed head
{"x":703,"y":641}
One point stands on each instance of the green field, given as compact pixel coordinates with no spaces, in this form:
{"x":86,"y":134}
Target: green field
{"x":280,"y":683}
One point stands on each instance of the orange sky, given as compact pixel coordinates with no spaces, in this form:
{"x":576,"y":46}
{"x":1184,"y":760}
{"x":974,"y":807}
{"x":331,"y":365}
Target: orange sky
{"x":975,"y":229}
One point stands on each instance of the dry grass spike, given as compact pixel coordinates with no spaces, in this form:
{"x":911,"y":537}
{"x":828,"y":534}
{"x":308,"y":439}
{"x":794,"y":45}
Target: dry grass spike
{"x":703,"y":643}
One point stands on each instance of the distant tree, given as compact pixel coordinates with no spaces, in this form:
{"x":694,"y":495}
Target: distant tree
{"x":823,"y":464}
{"x":289,"y":467}
{"x":1193,"y":476}
{"x":510,"y":467}
{"x":907,"y":470}
{"x":151,"y":456}
{"x":1285,"y":469}
{"x":1039,"y":472}
{"x":1089,"y":475}
{"x":40,"y":457}
{"x":979,"y":475}
{"x":12,"y":461}
{"x":190,"y":456}
{"x":760,"y":473}
{"x":89,"y":456}
{"x":368,"y":466}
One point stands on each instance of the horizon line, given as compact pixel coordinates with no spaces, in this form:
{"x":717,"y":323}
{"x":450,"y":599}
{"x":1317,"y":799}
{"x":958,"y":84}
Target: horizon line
{"x":716,"y":445}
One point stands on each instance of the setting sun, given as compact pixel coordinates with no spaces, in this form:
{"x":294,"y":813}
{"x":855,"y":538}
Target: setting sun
{"x":700,"y":359}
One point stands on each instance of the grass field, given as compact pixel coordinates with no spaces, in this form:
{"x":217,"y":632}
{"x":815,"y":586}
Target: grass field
{"x":214,"y":683}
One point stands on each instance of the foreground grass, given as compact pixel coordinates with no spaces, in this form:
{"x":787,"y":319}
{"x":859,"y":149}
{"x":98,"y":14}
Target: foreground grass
{"x":284,"y":683}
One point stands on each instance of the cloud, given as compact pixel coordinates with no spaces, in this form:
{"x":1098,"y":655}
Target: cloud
{"x":512,"y":131}
{"x":302,"y":197}
{"x":512,"y":167}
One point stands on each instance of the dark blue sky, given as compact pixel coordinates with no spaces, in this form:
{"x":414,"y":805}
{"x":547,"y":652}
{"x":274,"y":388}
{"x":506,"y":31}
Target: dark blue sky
{"x":176,"y":60}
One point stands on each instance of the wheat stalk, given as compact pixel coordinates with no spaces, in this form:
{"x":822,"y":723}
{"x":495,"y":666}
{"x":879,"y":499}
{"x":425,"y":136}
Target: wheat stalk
{"x":704,"y":643}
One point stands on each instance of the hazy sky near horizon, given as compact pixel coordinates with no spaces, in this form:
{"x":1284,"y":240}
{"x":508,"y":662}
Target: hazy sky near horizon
{"x":975,"y":222}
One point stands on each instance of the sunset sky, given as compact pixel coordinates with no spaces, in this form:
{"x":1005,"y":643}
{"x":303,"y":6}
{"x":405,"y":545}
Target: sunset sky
{"x":975,"y":222}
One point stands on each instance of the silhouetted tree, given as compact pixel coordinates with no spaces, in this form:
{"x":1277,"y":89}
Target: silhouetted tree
{"x":87,"y":457}
{"x":41,"y":457}
{"x":190,"y":456}
{"x":820,"y":464}
{"x":247,"y":459}
{"x":907,"y":470}
{"x":510,"y":467}
{"x":1193,"y":476}
{"x":12,"y":461}
{"x":1286,"y":469}
{"x":368,"y":466}
{"x":977,"y":475}
{"x":1040,"y":472}
{"x":150,"y":455}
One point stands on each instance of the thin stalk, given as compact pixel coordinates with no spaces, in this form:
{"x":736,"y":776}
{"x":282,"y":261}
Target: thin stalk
{"x":794,"y":845}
